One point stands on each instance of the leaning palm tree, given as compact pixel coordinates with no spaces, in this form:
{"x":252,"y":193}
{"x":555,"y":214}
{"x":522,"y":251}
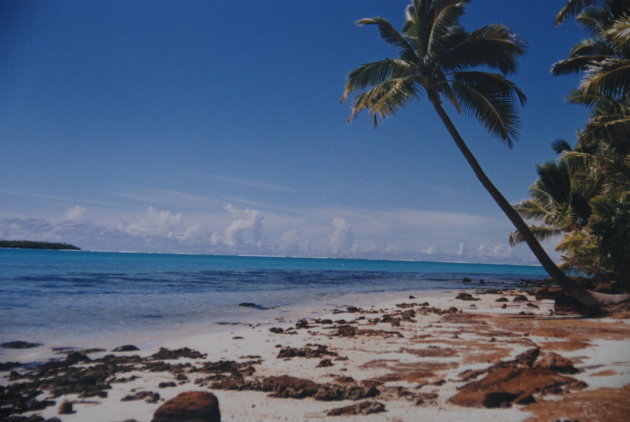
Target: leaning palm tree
{"x":437,"y":58}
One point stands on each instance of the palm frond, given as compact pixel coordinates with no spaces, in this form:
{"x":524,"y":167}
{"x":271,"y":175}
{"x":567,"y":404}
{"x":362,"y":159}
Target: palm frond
{"x":610,"y":77}
{"x":493,"y":45}
{"x":390,"y":35}
{"x":420,"y":15}
{"x":533,"y":210}
{"x":573,"y":8}
{"x":447,"y":14}
{"x":574,"y":64}
{"x":619,"y":32}
{"x":560,"y":146}
{"x":386,"y":98}
{"x":541,"y":233}
{"x":490,"y":98}
{"x":370,"y":74}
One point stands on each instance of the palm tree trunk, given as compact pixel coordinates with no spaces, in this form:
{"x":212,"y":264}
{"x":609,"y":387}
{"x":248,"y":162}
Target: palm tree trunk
{"x":585,"y":297}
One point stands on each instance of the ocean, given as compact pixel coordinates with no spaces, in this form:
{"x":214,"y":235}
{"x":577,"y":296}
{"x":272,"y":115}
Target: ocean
{"x":53,"y":295}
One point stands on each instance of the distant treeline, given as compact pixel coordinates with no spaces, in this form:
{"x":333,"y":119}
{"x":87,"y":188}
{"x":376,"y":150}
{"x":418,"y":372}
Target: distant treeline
{"x":27,"y":244}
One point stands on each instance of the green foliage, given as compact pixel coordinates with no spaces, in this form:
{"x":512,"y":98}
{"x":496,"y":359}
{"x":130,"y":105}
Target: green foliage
{"x":584,"y":196}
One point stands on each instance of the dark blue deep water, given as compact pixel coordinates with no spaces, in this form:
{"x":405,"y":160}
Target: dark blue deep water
{"x":45,"y":293}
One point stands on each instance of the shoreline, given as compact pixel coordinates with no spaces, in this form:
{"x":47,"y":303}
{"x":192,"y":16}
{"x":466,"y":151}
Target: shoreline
{"x":416,"y":355}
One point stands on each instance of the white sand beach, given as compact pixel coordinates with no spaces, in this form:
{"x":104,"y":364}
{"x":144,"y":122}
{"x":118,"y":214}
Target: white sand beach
{"x":412,"y":353}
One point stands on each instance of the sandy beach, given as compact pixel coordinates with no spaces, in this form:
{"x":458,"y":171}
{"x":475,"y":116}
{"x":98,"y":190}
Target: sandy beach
{"x":407,"y":356}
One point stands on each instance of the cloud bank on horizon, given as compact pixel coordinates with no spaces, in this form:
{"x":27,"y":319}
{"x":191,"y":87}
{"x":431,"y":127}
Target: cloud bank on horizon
{"x":333,"y":232}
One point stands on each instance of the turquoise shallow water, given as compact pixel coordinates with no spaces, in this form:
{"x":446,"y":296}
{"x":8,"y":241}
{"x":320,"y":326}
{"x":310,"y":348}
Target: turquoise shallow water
{"x":44,"y":294}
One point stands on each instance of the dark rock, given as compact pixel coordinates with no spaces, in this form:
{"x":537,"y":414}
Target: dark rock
{"x":167,"y":384}
{"x":425,"y":398}
{"x":527,"y":358}
{"x":504,"y":386}
{"x":253,"y":306}
{"x":408,"y":315}
{"x":411,"y":297}
{"x":65,"y":408}
{"x":20,"y":345}
{"x":7,"y":366}
{"x":520,"y":298}
{"x":324,"y":363}
{"x":276,"y":330}
{"x":302,"y":323}
{"x":352,"y":309}
{"x":126,"y":348}
{"x":192,"y":406}
{"x":93,"y":350}
{"x":346,"y":331}
{"x":466,"y":296}
{"x":147,"y":396}
{"x":330,"y":392}
{"x":363,"y":408}
{"x":466,"y":280}
{"x":502,"y":299}
{"x":305,"y":352}
{"x":289,"y":387}
{"x":76,"y":357}
{"x":185,"y":352}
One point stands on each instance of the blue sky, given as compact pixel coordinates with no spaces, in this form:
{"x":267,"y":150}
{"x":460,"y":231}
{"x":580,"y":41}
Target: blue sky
{"x":215,"y":127}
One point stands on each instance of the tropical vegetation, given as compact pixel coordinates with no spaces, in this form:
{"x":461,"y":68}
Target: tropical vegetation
{"x":584,"y":196}
{"x":440,"y":61}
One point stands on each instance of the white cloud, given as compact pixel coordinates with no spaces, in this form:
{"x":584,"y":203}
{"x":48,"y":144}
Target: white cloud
{"x":76,"y":214}
{"x":158,"y":222}
{"x":342,"y":237}
{"x":246,"y":229}
{"x":461,"y":249}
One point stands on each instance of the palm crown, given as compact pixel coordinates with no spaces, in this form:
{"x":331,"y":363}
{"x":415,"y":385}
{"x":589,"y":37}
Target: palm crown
{"x":437,"y":58}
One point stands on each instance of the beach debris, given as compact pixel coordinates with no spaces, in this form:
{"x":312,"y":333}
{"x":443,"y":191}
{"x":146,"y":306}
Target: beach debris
{"x":20,"y":345}
{"x":126,"y":348}
{"x":466,"y":296}
{"x":191,"y":406}
{"x":363,"y":408}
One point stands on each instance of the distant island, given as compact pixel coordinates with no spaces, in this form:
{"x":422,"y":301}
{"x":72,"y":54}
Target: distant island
{"x":27,"y":244}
